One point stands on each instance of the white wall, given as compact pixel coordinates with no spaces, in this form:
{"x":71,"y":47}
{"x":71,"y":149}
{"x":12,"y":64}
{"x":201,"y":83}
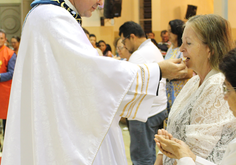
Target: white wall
{"x":130,"y":11}
{"x":166,"y":10}
{"x":162,"y":12}
{"x":94,"y":20}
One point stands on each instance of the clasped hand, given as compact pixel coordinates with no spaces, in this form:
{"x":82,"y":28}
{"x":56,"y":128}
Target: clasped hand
{"x":172,"y":147}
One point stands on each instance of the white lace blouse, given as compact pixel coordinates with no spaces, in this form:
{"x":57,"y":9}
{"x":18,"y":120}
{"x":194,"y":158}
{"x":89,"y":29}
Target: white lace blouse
{"x":201,"y":117}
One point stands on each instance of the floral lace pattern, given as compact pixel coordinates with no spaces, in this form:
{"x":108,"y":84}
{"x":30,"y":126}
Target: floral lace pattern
{"x":201,"y":117}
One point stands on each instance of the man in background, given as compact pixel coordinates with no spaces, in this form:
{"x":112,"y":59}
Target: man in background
{"x":164,"y":44}
{"x":86,"y":32}
{"x":143,"y":51}
{"x":151,"y":35}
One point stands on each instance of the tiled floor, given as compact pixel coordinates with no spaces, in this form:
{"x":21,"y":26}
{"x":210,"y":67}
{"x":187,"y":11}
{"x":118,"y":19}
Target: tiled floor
{"x":126,"y":138}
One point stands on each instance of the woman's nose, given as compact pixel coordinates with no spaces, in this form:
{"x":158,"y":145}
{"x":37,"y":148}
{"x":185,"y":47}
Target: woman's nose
{"x":182,"y":48}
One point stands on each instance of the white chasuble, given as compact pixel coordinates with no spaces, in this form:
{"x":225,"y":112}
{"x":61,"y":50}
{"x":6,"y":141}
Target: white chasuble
{"x":65,"y":96}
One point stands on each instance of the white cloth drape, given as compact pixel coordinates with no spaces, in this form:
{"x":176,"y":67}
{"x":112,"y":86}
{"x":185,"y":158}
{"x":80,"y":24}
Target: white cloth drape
{"x":64,"y":96}
{"x":147,"y":52}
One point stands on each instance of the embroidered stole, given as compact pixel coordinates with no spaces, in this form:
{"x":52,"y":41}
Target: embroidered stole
{"x":60,"y":3}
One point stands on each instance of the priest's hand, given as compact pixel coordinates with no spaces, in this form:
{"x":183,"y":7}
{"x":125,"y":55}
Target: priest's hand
{"x":173,"y":69}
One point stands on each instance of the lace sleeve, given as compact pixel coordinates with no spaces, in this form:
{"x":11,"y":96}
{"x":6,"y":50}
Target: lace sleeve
{"x":208,"y":119}
{"x":201,"y":117}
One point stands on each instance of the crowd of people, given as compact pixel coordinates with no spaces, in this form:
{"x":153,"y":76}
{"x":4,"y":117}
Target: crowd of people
{"x":8,"y":55}
{"x":104,"y":49}
{"x":69,"y":91}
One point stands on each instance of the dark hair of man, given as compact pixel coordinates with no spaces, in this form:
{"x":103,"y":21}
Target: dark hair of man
{"x":163,"y":32}
{"x":3,"y":31}
{"x":131,"y":27}
{"x":177,"y":28}
{"x":227,"y":67}
{"x":92,"y":35}
{"x":17,"y":38}
{"x":86,"y":31}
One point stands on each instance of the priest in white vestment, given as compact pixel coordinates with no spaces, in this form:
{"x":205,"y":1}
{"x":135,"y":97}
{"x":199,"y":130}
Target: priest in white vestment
{"x":66,"y":100}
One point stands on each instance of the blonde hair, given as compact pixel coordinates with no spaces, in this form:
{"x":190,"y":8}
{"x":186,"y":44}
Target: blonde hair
{"x":215,"y":32}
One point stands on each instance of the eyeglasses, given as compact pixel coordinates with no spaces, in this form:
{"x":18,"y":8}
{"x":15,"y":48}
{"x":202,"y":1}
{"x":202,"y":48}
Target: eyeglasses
{"x":120,"y":47}
{"x":123,"y":41}
{"x":226,"y":90}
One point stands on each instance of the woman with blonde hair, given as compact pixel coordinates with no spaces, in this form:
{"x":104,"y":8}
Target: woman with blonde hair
{"x":177,"y":149}
{"x":200,"y":116}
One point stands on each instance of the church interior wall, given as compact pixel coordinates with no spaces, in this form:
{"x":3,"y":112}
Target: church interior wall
{"x":231,"y":16}
{"x":162,"y":13}
{"x":10,"y":1}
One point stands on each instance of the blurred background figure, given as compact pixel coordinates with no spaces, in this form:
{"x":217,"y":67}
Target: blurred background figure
{"x":122,"y":51}
{"x":124,"y":54}
{"x":7,"y":43}
{"x":115,"y":45}
{"x":15,"y":43}
{"x":93,"y":40}
{"x":7,"y":65}
{"x":116,"y":55}
{"x":109,"y":48}
{"x":173,"y":87}
{"x":86,"y":32}
{"x":106,"y":49}
{"x":151,"y":35}
{"x":164,"y":44}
